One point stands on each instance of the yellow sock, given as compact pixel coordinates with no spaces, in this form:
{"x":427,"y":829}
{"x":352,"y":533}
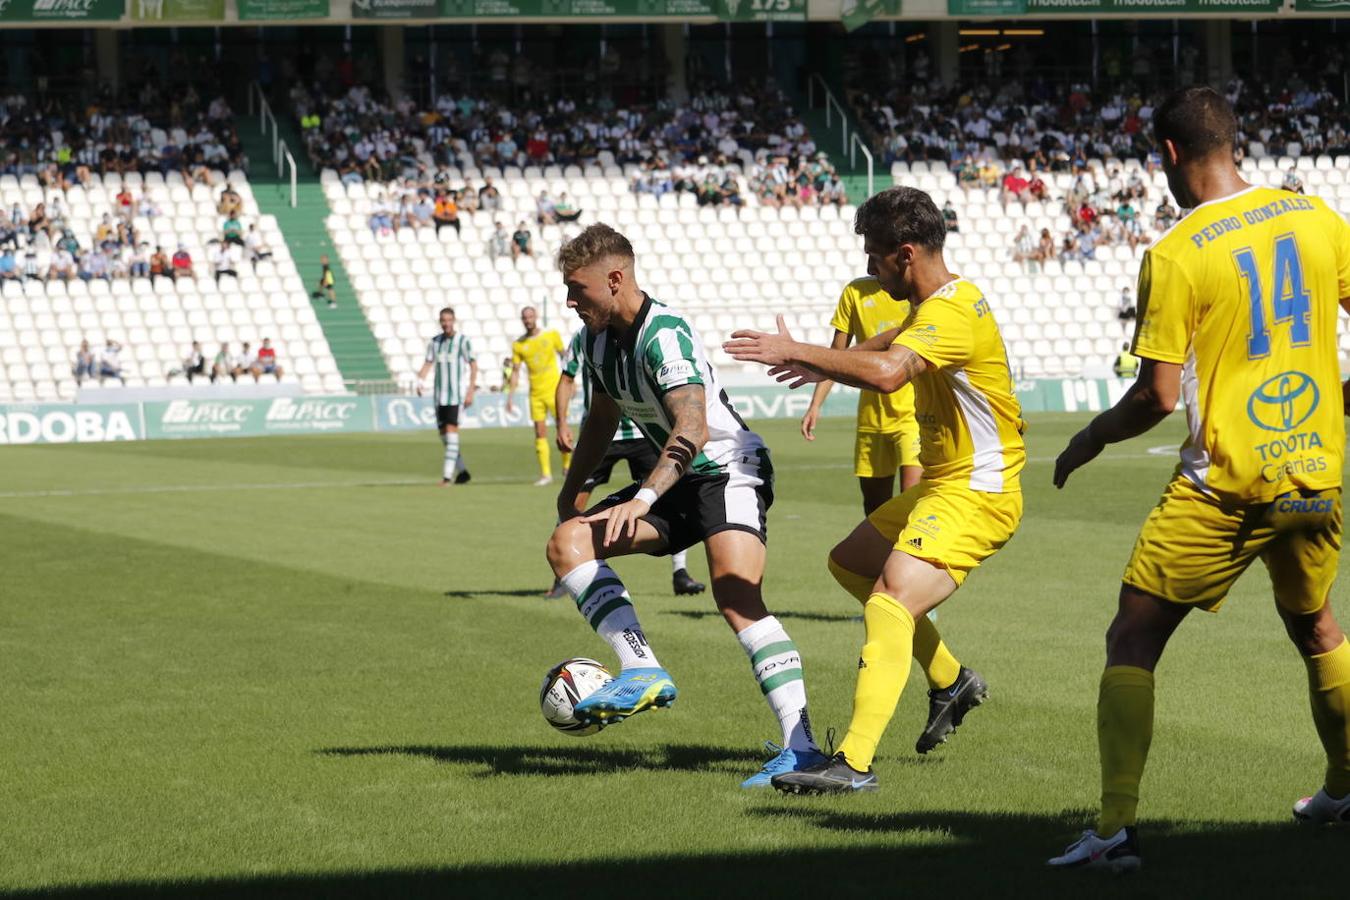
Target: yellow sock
{"x":1329,"y":686}
{"x":939,"y":666}
{"x":882,"y":671}
{"x":1124,"y":731}
{"x":541,"y":451}
{"x":567,"y":462}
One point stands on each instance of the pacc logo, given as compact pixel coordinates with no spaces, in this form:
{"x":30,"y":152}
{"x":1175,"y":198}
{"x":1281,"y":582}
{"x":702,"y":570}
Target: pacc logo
{"x":1284,"y":402}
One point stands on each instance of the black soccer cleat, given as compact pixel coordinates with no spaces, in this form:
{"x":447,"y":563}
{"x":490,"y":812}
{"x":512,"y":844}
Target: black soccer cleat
{"x":462,"y":477}
{"x":684,"y":583}
{"x":947,"y":707}
{"x":832,"y":776}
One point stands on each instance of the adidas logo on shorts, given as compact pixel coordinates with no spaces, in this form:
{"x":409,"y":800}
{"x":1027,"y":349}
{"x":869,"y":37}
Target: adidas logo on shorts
{"x":916,"y":543}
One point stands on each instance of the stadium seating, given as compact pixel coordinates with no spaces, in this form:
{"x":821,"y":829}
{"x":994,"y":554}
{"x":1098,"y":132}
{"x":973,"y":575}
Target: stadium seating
{"x":41,"y":325}
{"x":730,"y":268}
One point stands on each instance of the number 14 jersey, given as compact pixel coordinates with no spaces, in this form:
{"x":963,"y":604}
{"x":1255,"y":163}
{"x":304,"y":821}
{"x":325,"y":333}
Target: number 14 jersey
{"x":1243,"y":293}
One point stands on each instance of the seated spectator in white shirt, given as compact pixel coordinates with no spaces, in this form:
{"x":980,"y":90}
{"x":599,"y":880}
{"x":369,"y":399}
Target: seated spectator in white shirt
{"x":499,"y":244}
{"x":256,"y":246}
{"x":110,"y":362}
{"x":544,"y":213}
{"x":222,"y":261}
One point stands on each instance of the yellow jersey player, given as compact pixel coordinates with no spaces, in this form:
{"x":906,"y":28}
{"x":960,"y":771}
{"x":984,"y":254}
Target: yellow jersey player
{"x":887,"y":440}
{"x":1237,"y":313}
{"x":914,"y":551}
{"x":538,"y":352}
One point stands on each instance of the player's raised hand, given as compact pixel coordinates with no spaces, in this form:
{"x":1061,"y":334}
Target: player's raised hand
{"x":621,"y":520}
{"x":1083,"y":449}
{"x":761,"y":347}
{"x":809,"y":423}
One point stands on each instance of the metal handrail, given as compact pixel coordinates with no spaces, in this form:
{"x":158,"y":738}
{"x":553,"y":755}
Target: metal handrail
{"x":831,"y":103}
{"x":281,"y":155}
{"x":290,"y":160}
{"x":857,"y":143}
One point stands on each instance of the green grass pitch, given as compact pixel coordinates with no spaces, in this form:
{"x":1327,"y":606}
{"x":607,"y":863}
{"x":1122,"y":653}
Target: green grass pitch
{"x":294,"y":667}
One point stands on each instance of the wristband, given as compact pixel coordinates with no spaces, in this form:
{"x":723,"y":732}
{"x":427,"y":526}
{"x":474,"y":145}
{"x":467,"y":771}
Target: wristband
{"x":647,"y":496}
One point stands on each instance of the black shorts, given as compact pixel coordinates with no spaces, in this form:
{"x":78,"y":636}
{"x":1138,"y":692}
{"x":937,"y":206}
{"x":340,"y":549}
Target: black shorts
{"x":447,"y":415}
{"x":1125,"y":315}
{"x":699,"y":506}
{"x":639,"y":454}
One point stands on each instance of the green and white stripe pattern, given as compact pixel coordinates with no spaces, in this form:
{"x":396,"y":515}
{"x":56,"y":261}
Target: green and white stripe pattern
{"x":776,"y":664}
{"x":659,"y":353}
{"x":603,"y":601}
{"x":572,"y":366}
{"x":451,"y":356}
{"x":604,"y":595}
{"x":778,"y":670}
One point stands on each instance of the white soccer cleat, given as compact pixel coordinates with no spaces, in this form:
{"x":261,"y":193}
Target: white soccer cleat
{"x":1117,"y":853}
{"x":1322,"y":809}
{"x":544,"y":481}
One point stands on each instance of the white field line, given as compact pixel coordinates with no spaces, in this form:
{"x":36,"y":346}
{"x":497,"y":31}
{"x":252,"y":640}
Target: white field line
{"x":392,"y":482}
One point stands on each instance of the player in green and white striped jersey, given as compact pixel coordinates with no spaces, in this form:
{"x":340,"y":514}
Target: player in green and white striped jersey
{"x":628,"y":445}
{"x":451,"y":356}
{"x":712,"y":483}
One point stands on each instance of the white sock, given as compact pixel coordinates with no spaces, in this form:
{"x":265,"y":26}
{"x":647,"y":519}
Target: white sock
{"x":778,"y":669}
{"x":603,"y":601}
{"x":451,"y":441}
{"x":678,"y":560}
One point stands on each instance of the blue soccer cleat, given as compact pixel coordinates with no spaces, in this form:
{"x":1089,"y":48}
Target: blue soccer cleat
{"x":785,"y":760}
{"x":631,"y":692}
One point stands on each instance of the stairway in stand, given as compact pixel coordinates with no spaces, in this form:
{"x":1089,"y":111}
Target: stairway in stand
{"x":348,"y":333}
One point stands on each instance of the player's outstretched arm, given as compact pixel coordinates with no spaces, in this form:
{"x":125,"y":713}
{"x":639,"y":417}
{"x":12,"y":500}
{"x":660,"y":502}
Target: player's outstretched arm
{"x":688,"y":433}
{"x":884,"y":370}
{"x":1149,"y":400}
{"x":473,"y":383}
{"x":596,"y":434}
{"x":562,"y":397}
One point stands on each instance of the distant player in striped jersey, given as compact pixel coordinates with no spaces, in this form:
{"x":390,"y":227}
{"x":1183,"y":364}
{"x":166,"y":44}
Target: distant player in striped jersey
{"x":628,"y":446}
{"x":451,"y":356}
{"x":712,"y":483}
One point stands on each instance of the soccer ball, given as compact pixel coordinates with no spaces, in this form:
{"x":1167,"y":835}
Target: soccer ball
{"x":566,"y":685}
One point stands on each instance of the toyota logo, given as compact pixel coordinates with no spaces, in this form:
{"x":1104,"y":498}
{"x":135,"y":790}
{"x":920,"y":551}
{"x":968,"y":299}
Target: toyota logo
{"x":1284,"y":402}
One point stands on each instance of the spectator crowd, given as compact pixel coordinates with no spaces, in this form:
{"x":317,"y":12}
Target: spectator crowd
{"x":159,"y":132}
{"x":40,"y":244}
{"x":107,"y":364}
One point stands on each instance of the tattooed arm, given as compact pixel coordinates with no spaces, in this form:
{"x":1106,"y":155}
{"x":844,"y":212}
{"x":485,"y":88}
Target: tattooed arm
{"x":688,"y":434}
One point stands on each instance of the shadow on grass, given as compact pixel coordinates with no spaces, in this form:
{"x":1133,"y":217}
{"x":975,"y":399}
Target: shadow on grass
{"x":497,"y":592}
{"x":949,"y":855}
{"x":499,"y":760}
{"x":800,"y":616}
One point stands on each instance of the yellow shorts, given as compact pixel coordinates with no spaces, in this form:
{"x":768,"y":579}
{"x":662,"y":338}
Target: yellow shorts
{"x":949,"y":525}
{"x":878,"y":454}
{"x":543,"y":405}
{"x":1193,"y":547}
